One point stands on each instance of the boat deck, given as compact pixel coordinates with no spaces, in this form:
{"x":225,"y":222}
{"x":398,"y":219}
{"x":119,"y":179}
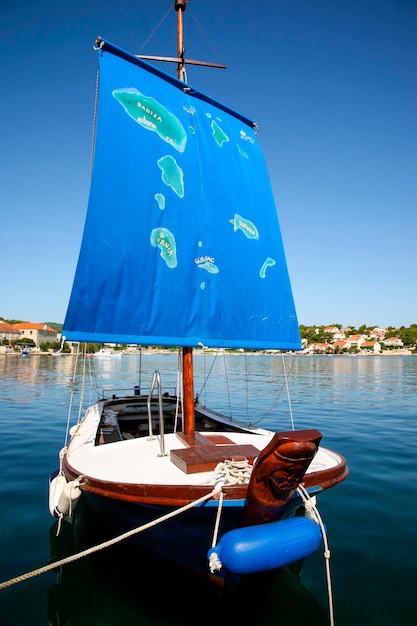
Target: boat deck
{"x":202,"y":454}
{"x":139,"y":460}
{"x":123,"y":451}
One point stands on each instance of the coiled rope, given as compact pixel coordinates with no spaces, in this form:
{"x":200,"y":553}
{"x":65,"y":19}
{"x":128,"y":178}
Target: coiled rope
{"x":231,"y":472}
{"x":107,"y":544}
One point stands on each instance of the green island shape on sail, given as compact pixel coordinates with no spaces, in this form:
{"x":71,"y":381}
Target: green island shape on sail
{"x":242,"y":153}
{"x":246,"y":226}
{"x":210,"y":267}
{"x":267,"y":263}
{"x":219,"y":135}
{"x":160,"y":198}
{"x":163,"y":239}
{"x":172,"y":174}
{"x":152,"y":115}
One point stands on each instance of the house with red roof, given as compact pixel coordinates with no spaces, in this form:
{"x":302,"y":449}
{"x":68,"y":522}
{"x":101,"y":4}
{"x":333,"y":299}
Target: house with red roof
{"x":394,"y":342}
{"x":356,"y":341}
{"x":373,"y":346}
{"x":39,"y":333}
{"x":8,"y":332}
{"x":340,"y":345}
{"x":378,"y":333}
{"x":318,"y":348}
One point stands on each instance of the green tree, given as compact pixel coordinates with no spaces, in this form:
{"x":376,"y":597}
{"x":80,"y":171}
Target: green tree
{"x":408,"y":335}
{"x":24,"y":341}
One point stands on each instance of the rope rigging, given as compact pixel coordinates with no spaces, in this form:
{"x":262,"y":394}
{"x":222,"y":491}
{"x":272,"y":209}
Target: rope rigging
{"x":226,"y":381}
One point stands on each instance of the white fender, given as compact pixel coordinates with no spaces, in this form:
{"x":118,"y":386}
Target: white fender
{"x":69,"y":498}
{"x":63,"y":496}
{"x":56,"y":487}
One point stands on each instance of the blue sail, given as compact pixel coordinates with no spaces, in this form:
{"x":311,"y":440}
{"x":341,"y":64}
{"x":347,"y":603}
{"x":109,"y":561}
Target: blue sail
{"x":181,"y":244}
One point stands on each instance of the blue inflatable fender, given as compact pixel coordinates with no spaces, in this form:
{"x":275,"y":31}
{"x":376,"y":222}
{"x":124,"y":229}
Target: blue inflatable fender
{"x":254,"y":549}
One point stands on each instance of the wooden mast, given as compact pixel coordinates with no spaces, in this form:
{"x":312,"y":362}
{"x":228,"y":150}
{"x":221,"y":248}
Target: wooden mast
{"x":187,"y":352}
{"x":180,"y":6}
{"x":188,"y":390}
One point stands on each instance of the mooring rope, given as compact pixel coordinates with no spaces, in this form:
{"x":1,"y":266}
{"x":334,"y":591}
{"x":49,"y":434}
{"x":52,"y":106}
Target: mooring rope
{"x":221,"y":480}
{"x":311,"y":508}
{"x":107,"y":544}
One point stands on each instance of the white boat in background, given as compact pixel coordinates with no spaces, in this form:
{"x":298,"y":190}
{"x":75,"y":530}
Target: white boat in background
{"x":182,"y":247}
{"x":107,"y":353}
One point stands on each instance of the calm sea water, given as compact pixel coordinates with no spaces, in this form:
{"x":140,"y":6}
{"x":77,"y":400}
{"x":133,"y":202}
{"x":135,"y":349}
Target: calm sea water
{"x":366,"y":408}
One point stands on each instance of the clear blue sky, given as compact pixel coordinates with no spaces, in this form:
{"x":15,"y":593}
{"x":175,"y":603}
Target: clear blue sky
{"x":332,"y":85}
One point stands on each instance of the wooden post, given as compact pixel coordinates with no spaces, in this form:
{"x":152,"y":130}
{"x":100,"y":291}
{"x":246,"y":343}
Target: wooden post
{"x":188,"y":390}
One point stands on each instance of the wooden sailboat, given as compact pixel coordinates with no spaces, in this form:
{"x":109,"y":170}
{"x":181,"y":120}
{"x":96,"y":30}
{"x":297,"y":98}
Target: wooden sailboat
{"x":182,"y":247}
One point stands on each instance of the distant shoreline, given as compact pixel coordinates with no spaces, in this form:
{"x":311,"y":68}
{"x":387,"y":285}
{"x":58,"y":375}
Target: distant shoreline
{"x":391,"y":353}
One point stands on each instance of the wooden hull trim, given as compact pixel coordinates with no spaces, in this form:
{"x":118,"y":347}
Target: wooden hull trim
{"x":327,"y":478}
{"x":180,"y":495}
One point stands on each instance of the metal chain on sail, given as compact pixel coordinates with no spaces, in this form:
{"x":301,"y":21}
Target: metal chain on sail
{"x":93,"y":138}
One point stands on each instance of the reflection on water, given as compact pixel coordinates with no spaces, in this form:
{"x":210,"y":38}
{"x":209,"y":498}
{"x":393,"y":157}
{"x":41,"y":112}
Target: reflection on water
{"x":123,"y":585}
{"x":365,"y":407}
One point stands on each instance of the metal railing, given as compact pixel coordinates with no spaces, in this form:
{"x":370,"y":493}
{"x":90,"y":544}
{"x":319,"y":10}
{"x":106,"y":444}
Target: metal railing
{"x":156,"y":379}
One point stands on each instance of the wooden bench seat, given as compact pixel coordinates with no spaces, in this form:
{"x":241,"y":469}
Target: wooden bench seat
{"x":204,"y":458}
